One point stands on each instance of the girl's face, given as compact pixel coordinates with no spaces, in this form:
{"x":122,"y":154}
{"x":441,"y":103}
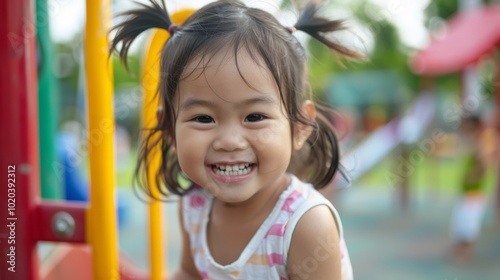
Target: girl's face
{"x":233,"y":136}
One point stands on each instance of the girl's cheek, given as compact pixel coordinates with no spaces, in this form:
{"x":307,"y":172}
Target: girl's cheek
{"x":276,"y":134}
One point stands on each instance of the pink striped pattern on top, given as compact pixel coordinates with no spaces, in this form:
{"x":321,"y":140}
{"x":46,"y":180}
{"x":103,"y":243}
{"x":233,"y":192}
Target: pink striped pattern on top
{"x":277,"y":230}
{"x":290,"y":200}
{"x":265,"y":256}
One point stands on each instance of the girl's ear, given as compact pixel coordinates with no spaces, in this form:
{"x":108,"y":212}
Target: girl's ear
{"x":303,"y":131}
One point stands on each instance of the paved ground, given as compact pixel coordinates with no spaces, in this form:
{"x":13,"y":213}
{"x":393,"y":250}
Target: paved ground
{"x":389,"y":244}
{"x":384,"y":243}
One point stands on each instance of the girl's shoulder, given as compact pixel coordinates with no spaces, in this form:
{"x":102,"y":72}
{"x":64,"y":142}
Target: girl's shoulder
{"x":305,"y":197}
{"x":315,"y":229}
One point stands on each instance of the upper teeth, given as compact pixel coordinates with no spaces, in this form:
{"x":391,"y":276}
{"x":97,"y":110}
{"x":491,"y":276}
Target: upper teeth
{"x":231,"y":170}
{"x":235,"y":167}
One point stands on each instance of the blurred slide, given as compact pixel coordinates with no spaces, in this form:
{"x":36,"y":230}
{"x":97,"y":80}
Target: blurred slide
{"x":409,"y":128}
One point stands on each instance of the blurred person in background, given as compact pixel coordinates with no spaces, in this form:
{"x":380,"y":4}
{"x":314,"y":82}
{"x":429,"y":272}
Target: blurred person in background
{"x":469,"y":210}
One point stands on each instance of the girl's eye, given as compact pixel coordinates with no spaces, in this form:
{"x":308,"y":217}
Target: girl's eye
{"x":255,"y":118}
{"x":204,"y":119}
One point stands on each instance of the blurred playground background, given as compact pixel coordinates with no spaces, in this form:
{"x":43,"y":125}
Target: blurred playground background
{"x":398,"y":121}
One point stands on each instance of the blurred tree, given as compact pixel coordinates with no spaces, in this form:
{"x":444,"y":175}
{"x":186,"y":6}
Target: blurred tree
{"x":69,"y":58}
{"x":441,"y":8}
{"x":68,"y":67}
{"x":388,"y":52}
{"x":286,"y":4}
{"x":124,"y":77}
{"x":436,"y":14}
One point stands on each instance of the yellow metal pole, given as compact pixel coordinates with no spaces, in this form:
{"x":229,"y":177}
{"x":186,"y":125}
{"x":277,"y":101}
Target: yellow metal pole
{"x":150,"y":79}
{"x":101,"y":217}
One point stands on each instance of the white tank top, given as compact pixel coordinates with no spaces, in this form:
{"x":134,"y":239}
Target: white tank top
{"x":265,"y":256}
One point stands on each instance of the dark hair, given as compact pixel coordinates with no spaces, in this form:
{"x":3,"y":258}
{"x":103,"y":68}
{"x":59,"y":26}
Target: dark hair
{"x":230,"y":23}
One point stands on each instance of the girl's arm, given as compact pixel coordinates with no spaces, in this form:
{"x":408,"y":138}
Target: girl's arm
{"x":187,"y":269}
{"x":315,"y":247}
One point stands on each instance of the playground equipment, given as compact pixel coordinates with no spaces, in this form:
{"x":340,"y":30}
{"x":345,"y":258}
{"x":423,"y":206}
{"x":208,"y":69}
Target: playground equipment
{"x":407,"y":129}
{"x":47,"y":105}
{"x":471,"y":36}
{"x":385,"y":88}
{"x":30,"y":219}
{"x":75,"y":185}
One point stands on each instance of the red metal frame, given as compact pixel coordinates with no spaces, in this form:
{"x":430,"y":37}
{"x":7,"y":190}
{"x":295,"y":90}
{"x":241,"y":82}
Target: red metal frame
{"x":19,"y":144}
{"x":46,"y":212}
{"x":30,"y":220}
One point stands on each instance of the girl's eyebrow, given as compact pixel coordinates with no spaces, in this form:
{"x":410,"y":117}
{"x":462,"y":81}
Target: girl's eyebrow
{"x":191,"y":102}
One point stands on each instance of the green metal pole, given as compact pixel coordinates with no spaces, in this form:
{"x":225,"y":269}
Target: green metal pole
{"x":48,"y":106}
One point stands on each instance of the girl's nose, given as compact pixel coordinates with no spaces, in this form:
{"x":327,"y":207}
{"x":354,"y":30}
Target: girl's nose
{"x":230,"y":139}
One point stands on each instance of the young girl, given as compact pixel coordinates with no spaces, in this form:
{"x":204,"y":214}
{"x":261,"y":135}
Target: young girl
{"x":236,"y":112}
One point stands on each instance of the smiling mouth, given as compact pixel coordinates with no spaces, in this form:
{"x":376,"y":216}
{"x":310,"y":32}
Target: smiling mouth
{"x":232,"y":170}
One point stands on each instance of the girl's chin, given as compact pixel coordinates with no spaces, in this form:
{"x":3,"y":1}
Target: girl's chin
{"x":231,"y":197}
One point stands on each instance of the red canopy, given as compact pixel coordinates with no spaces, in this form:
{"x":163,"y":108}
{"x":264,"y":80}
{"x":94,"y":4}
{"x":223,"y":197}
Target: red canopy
{"x":470,"y":35}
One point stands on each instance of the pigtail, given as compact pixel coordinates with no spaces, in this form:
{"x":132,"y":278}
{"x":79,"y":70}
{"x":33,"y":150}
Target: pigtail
{"x":318,"y":161}
{"x":317,"y":27}
{"x":152,"y":15}
{"x":138,"y":21}
{"x":325,"y":148}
